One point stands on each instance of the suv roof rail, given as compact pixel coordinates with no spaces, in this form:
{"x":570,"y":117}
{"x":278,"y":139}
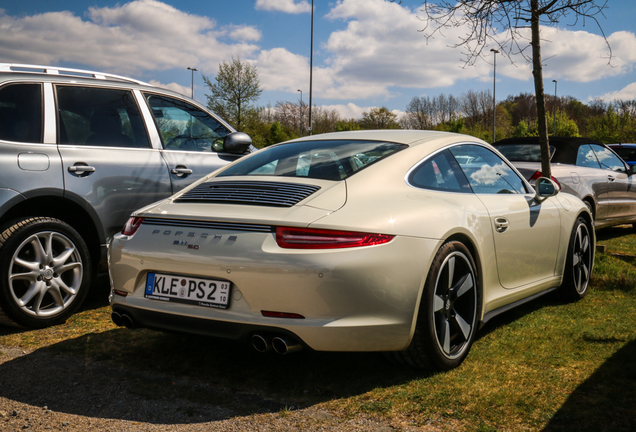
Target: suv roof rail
{"x":55,"y":70}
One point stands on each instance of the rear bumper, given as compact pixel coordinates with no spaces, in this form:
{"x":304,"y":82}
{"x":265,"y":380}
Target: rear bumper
{"x":191,"y":325}
{"x":359,"y":299}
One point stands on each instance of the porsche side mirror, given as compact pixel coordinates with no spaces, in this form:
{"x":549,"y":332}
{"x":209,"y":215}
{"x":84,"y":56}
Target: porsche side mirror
{"x":237,"y":143}
{"x":545,"y":187}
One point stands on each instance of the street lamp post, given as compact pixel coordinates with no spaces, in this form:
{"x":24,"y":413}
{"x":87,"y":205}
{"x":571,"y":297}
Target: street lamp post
{"x":311,"y":63}
{"x":192,"y":90}
{"x":555,"y":103}
{"x":494,"y":91}
{"x":301,"y":112}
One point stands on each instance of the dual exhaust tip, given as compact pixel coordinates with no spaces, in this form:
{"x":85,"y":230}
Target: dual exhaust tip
{"x":122,"y":320}
{"x":280,"y":344}
{"x":261,"y":343}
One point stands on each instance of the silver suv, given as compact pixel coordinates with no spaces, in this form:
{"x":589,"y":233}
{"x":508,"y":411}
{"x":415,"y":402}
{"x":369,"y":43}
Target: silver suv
{"x":79,"y":151}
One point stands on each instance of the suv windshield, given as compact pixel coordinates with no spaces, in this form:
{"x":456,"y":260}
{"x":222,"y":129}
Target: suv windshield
{"x":324,"y":160}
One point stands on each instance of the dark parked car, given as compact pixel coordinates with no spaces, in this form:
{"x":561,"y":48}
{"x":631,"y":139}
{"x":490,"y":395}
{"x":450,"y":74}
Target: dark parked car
{"x":583,"y":167}
{"x":80,"y":151}
{"x":627,"y":152}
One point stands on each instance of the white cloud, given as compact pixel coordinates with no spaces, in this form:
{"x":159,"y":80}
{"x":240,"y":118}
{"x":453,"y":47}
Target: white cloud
{"x":184,"y":90}
{"x":584,"y":57}
{"x":626,"y":93}
{"x":287,"y":6}
{"x":380,"y":53}
{"x":376,"y":53}
{"x":245,"y":33}
{"x":381,"y":50}
{"x":143,"y":35}
{"x":348,"y":111}
{"x":279,"y":69}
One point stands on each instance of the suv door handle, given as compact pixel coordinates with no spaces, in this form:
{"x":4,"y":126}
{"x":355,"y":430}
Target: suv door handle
{"x":501,"y":224}
{"x":79,"y":168}
{"x":181,"y":171}
{"x":611,"y":177}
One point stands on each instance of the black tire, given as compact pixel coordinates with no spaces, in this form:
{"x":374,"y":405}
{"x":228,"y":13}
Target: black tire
{"x":45,"y":272}
{"x":448,"y":313}
{"x":579,"y":261}
{"x":590,"y":206}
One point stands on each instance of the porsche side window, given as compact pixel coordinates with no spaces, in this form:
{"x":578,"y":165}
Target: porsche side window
{"x":607,"y":159}
{"x":21,"y":113}
{"x":486,"y":172}
{"x":585,"y":157}
{"x":185,"y":127}
{"x":441,"y":172}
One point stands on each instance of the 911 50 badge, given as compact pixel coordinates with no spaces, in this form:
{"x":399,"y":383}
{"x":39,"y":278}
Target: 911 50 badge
{"x":185,"y":243}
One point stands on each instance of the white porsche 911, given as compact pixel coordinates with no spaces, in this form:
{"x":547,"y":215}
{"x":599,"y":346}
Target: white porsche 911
{"x":397,"y":241}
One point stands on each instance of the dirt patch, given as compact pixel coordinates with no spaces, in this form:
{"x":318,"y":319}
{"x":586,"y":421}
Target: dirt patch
{"x":44,"y":390}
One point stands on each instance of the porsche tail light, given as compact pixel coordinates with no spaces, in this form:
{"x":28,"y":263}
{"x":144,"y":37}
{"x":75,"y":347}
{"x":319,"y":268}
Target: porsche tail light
{"x":538,"y":174}
{"x":132,"y":225}
{"x":309,"y":238}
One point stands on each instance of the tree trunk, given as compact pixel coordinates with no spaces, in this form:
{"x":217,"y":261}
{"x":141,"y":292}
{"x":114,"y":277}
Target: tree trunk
{"x":537,"y":72}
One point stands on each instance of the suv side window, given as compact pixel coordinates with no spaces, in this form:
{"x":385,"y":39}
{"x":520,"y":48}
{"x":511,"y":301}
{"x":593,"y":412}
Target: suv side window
{"x":21,"y":113}
{"x":99,"y":117}
{"x":185,"y":127}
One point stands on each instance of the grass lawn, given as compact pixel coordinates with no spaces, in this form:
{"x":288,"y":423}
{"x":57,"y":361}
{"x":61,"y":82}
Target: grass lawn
{"x":544,"y":366}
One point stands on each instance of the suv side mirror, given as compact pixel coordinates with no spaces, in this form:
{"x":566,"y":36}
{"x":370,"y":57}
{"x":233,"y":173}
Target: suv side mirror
{"x":545,"y":188}
{"x":237,"y":143}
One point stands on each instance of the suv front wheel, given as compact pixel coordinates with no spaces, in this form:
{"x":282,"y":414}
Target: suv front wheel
{"x":45,"y":272}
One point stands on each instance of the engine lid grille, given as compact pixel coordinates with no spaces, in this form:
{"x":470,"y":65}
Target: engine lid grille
{"x":212,"y":225}
{"x":259,"y":193}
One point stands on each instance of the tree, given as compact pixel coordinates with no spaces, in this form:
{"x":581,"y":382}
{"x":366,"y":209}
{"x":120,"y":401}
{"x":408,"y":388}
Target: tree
{"x":379,"y":118}
{"x":481,"y":21}
{"x":237,"y":86}
{"x":291,"y":116}
{"x":613,"y":126}
{"x":347,"y":125}
{"x":418,"y":114}
{"x":325,"y":120}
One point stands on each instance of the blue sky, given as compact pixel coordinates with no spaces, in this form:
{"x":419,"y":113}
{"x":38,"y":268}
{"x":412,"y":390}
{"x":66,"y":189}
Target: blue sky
{"x":367,"y":53}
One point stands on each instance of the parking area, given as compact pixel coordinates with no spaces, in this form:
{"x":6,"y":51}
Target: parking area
{"x":547,"y":365}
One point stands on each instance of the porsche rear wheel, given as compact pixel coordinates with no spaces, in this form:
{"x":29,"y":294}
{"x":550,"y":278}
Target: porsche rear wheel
{"x":448,"y":313}
{"x":578,"y":265}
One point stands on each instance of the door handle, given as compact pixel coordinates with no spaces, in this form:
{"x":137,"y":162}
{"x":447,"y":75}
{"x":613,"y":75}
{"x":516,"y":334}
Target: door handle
{"x":501,"y":224}
{"x":611,"y":178}
{"x":181,"y":171}
{"x":81,"y":169}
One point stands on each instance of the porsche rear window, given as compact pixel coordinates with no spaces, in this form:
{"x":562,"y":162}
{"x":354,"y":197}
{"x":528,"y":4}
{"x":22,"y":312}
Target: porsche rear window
{"x":324,"y":160}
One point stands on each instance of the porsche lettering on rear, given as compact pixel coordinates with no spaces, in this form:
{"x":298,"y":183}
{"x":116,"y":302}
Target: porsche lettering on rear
{"x":180,"y":233}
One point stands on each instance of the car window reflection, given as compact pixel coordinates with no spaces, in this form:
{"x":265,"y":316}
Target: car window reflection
{"x":486,"y":172}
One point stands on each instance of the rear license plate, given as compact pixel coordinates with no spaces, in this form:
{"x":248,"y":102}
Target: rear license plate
{"x":186,"y":289}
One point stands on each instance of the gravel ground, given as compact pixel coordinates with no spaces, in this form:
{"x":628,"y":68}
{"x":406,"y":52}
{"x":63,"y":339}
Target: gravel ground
{"x":45,"y":391}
